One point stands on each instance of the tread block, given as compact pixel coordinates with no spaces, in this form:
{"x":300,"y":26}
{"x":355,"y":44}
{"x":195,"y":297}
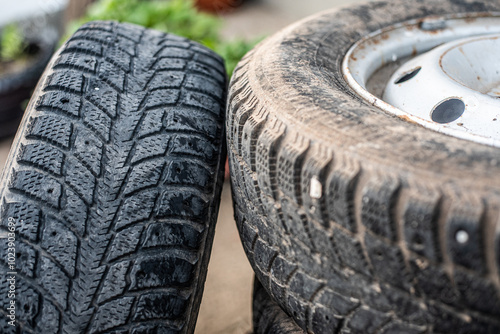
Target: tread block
{"x":53,"y":280}
{"x":250,"y":135}
{"x":388,"y":262}
{"x":379,"y":198}
{"x":408,"y":308}
{"x":477,"y":293}
{"x":162,"y":97}
{"x":119,"y":58}
{"x":171,"y":235}
{"x":206,"y":57}
{"x":202,"y":101}
{"x":80,"y":179}
{"x":83,"y":46}
{"x":102,"y":96}
{"x":144,"y":175}
{"x":365,"y":320}
{"x":281,"y":269}
{"x":433,"y":281}
{"x":335,"y":302}
{"x":112,"y":314}
{"x":207,"y":71}
{"x":66,"y":80}
{"x":42,"y":156}
{"x":350,"y":252}
{"x":60,"y":243}
{"x":26,"y":216}
{"x":464,"y":230}
{"x":152,"y":122}
{"x":88,"y":148}
{"x":340,"y":189}
{"x":322,"y":321}
{"x":112,"y":74}
{"x":150,"y":147}
{"x":184,"y":145}
{"x":107,"y":26}
{"x":248,"y":234}
{"x":295,"y":221}
{"x":170,"y":64}
{"x":28,"y":303}
{"x":313,"y":187}
{"x":76,"y":61}
{"x":263,"y":255}
{"x":25,"y":257}
{"x":182,"y":204}
{"x":304,"y":285}
{"x":97,"y":120}
{"x":159,"y":306}
{"x":420,"y":221}
{"x":267,"y":146}
{"x":171,"y":52}
{"x":290,"y":160}
{"x":125,"y":242}
{"x":191,"y":120}
{"x":166,"y":79}
{"x":297,"y":309}
{"x":126,"y":44}
{"x":60,"y":101}
{"x":136,"y":208}
{"x":48,"y":319}
{"x":204,"y":84}
{"x":132,"y":32}
{"x":37,"y":186}
{"x":75,"y":211}
{"x":114,"y":282}
{"x":189,"y":173}
{"x":161,"y":271}
{"x":52,"y":129}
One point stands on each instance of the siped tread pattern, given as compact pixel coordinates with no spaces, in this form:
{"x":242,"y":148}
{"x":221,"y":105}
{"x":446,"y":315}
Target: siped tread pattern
{"x":345,"y":244}
{"x":115,"y":185}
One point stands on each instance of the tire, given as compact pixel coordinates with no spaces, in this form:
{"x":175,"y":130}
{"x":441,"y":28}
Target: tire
{"x":379,"y":240}
{"x":268,"y":317}
{"x":18,"y":87}
{"x":113,"y":185}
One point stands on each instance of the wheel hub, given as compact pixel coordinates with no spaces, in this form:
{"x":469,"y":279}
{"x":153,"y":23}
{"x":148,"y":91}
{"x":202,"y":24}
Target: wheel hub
{"x":449,"y":81}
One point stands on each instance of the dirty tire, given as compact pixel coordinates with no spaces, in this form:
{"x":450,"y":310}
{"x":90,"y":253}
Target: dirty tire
{"x":348,"y":215}
{"x":112,"y":186}
{"x":268,"y":317}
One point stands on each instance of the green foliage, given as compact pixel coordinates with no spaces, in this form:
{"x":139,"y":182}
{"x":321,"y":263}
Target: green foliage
{"x":178,"y":17}
{"x":12,"y":44}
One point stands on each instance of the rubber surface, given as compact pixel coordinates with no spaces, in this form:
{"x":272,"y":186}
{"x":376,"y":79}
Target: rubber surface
{"x":113,"y":185}
{"x":268,"y":317}
{"x":350,"y":216}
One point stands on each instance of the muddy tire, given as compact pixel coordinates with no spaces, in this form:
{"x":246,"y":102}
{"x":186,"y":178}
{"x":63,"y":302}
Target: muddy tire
{"x":112,"y":186}
{"x":268,"y":317}
{"x":350,"y":216}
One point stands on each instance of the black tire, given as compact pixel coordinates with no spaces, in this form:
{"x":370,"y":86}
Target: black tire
{"x":17,"y":87}
{"x":114,"y":182}
{"x":379,"y":242}
{"x":268,"y":317}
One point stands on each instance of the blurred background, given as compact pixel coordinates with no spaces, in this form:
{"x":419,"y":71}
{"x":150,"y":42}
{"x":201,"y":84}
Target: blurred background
{"x":230,"y":27}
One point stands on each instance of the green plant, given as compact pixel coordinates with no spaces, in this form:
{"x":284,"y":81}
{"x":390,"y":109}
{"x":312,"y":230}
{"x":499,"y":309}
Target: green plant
{"x":12,"y":44}
{"x":179,"y":17}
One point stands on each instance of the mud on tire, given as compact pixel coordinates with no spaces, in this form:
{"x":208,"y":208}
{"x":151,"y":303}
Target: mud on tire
{"x":349,"y":216}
